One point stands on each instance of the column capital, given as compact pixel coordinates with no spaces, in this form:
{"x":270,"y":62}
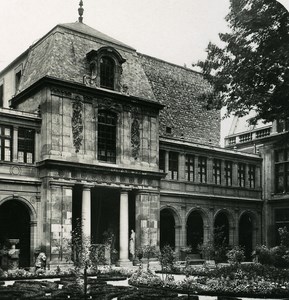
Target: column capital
{"x":124,"y":190}
{"x":87,"y":187}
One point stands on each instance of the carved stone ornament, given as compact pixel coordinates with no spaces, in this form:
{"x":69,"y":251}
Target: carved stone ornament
{"x":135,"y":134}
{"x":77,"y":123}
{"x":91,"y":80}
{"x":108,"y":104}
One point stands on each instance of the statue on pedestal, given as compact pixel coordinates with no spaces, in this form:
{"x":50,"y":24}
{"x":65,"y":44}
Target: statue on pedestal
{"x":40,"y":262}
{"x":132,"y":244}
{"x":13,"y":255}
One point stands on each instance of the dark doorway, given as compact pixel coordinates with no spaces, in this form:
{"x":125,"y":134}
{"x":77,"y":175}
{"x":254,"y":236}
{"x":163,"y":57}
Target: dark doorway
{"x":105,"y":205}
{"x":167,"y":228}
{"x":15,"y":224}
{"x":246,"y":235}
{"x":221,"y":229}
{"x":195,"y":230}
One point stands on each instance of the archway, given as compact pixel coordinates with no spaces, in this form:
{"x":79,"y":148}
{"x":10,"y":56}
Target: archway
{"x":221,"y":229}
{"x":246,"y":234}
{"x":195,"y":230}
{"x":167,"y":228}
{"x":15,"y":224}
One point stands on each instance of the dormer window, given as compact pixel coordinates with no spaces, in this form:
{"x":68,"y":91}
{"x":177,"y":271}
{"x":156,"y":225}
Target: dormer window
{"x":107,"y":72}
{"x":105,"y":68}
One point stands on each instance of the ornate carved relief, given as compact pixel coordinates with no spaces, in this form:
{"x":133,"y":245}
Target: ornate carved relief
{"x":60,"y":92}
{"x":91,"y":80}
{"x":77,"y":123}
{"x":135,"y":133}
{"x":109,"y":104}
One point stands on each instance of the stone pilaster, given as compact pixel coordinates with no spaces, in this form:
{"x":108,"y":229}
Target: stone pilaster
{"x":60,"y":223}
{"x":147,"y":218}
{"x":15,"y":143}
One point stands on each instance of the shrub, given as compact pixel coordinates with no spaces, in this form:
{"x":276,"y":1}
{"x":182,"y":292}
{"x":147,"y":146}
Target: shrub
{"x":236,"y":255}
{"x":207,"y":250}
{"x":263,"y":255}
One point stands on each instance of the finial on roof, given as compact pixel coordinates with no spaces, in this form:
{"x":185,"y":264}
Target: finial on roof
{"x":80,"y":11}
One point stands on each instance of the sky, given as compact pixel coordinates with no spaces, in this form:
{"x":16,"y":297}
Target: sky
{"x":177,"y":31}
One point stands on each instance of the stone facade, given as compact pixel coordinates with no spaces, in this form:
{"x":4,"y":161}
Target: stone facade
{"x":112,"y":151}
{"x":270,"y":142}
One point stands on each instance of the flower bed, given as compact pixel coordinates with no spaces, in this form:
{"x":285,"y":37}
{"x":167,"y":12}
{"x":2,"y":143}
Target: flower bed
{"x":252,"y":280}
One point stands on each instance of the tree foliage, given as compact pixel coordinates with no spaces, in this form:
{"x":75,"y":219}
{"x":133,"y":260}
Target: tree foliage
{"x":251,"y":70}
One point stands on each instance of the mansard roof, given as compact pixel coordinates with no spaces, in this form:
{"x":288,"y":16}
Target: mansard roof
{"x":61,"y":54}
{"x":184,"y":116}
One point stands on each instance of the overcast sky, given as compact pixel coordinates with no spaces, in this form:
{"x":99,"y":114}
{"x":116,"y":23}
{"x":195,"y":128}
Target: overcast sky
{"x":177,"y":31}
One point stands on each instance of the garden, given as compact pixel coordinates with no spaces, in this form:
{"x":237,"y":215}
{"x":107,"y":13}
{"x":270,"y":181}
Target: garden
{"x":267,"y":276}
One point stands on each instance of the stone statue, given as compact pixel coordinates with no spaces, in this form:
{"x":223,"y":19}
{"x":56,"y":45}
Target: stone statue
{"x":40,"y":261}
{"x":132,"y":243}
{"x":13,"y":255}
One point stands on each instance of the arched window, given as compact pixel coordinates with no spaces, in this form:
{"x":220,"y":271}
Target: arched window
{"x":107,"y":136}
{"x":107,"y":72}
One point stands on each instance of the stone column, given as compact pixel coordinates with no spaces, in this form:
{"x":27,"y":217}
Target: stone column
{"x":123,"y":229}
{"x":86,"y":211}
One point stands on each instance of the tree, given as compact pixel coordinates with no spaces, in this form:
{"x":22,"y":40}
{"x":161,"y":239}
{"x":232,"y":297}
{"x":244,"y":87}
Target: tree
{"x":251,"y":70}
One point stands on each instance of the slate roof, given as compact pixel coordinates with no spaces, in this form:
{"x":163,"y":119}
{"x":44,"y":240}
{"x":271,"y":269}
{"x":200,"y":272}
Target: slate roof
{"x":61,"y":54}
{"x":179,"y":88}
{"x":87,"y":30}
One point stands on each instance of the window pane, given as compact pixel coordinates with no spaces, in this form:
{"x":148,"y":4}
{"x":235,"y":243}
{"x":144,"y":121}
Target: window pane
{"x":26,"y":144}
{"x":107,"y":69}
{"x":5,"y":143}
{"x":107,"y":136}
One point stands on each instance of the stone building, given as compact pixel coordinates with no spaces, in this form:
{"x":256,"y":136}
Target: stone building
{"x":270,"y":141}
{"x":93,"y":130}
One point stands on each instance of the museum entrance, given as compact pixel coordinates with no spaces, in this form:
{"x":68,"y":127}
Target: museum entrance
{"x":15,"y":224}
{"x":167,"y":228}
{"x":195,"y":230}
{"x":246,"y":235}
{"x":105,"y":214}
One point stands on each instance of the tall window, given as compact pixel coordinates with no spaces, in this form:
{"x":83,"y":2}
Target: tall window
{"x":1,"y":95}
{"x":107,"y":136}
{"x":162,"y":161}
{"x":217,"y":171}
{"x":252,"y":176}
{"x":190,"y":167}
{"x":26,"y":142}
{"x":282,"y":170}
{"x":107,"y":72}
{"x":5,"y":143}
{"x":241,"y":174}
{"x":228,"y":172}
{"x":173,"y":165}
{"x":202,"y":169}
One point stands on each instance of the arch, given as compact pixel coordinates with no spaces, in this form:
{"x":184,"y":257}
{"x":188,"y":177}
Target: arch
{"x":223,"y":224}
{"x":167,"y":228}
{"x":174,"y":212}
{"x":30,"y":207}
{"x":247,"y":232}
{"x":195,"y":228}
{"x":17,"y":220}
{"x":202,"y":212}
